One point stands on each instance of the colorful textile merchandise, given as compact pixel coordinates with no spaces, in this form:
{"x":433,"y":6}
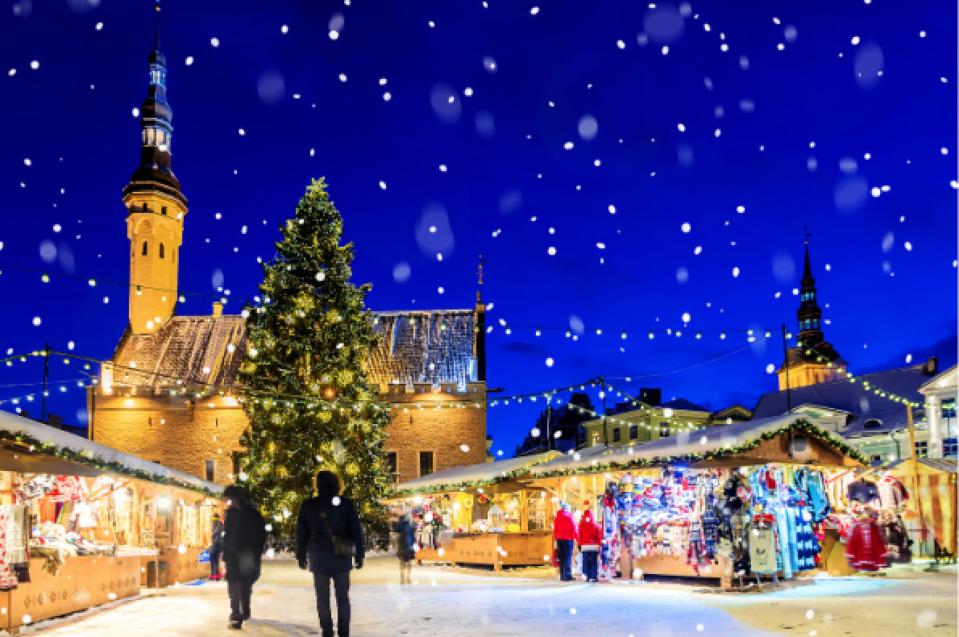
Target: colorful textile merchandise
{"x":762,"y":519}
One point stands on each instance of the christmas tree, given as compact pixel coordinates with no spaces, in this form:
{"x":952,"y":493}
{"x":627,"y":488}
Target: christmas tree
{"x":309,"y":403}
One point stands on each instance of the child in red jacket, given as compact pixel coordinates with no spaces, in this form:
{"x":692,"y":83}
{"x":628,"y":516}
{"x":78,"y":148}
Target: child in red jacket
{"x":564,"y":532}
{"x":590,"y":543}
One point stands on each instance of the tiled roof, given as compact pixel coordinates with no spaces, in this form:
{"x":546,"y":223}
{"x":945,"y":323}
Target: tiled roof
{"x":198,"y":349}
{"x":863,"y":404}
{"x":433,"y":346}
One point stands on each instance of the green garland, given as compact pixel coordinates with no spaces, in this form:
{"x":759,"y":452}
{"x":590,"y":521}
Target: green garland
{"x":462,"y":486}
{"x":89,"y":459}
{"x":800,"y":424}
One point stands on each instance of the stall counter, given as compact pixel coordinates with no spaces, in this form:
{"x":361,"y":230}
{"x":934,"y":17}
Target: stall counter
{"x":80,"y":583}
{"x":493,"y":549}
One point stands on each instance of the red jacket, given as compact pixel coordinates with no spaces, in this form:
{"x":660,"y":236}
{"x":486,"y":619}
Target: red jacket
{"x":564,"y":528}
{"x":589,"y":532}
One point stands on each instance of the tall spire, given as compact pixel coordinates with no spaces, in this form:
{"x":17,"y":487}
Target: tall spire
{"x":155,"y":172}
{"x":807,"y":270}
{"x":809,"y":313}
{"x":814,"y":359}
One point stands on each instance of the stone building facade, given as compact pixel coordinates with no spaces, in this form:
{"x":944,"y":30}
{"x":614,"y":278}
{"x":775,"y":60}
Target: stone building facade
{"x":169,"y":392}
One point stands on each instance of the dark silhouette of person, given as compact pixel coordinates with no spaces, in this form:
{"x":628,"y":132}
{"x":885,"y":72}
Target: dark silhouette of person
{"x":244,"y":537}
{"x":329,"y":539}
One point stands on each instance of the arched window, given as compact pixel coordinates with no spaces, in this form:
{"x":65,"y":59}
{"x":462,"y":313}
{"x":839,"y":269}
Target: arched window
{"x":162,"y":252}
{"x":144,"y":251}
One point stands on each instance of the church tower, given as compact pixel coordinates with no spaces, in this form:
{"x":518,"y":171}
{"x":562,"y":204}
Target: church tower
{"x":155,"y":207}
{"x":814,"y":359}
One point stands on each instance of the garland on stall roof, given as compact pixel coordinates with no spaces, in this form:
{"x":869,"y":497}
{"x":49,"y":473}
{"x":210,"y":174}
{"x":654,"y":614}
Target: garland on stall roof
{"x":89,"y":459}
{"x":659,"y":461}
{"x":462,"y":485}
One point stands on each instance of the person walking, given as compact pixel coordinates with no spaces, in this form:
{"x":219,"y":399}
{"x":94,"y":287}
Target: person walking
{"x":216,"y":547}
{"x":405,"y":545}
{"x":329,"y":540}
{"x":244,"y":537}
{"x":590,"y":543}
{"x":564,"y":533}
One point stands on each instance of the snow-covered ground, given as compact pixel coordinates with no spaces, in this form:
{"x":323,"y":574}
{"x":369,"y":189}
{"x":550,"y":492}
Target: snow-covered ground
{"x":447,"y":602}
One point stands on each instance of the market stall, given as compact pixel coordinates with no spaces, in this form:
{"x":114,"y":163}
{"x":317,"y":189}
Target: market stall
{"x":729,"y":502}
{"x":480,"y":515}
{"x":82,"y":524}
{"x":931,"y":483}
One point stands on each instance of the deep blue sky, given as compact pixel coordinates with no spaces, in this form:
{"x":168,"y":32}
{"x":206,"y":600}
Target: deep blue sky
{"x":797,"y":126}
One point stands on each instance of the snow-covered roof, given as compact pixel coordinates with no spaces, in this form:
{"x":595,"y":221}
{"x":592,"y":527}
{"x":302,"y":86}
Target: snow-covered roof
{"x":486,"y":472}
{"x":434,"y":346}
{"x":710,"y":440}
{"x":860,"y":402}
{"x":70,"y":447}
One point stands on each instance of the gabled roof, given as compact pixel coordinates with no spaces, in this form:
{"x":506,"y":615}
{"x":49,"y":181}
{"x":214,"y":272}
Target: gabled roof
{"x":683,"y":404}
{"x":942,"y":380}
{"x":862,"y":404}
{"x":433,"y":346}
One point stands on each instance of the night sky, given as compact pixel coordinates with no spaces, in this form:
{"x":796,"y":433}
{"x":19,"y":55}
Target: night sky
{"x":569,"y":142}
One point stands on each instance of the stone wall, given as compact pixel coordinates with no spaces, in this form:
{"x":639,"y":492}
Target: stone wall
{"x":183,"y":434}
{"x":171,"y":431}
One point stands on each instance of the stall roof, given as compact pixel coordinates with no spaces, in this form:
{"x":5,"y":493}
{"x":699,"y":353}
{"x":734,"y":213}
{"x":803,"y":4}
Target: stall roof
{"x":946,"y":465}
{"x":65,"y":449}
{"x":474,"y":474}
{"x":701,"y":444}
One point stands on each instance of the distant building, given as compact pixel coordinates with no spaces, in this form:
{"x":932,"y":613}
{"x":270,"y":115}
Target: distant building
{"x":814,"y":359}
{"x":169,"y":393}
{"x":940,"y":400}
{"x":645,"y":423}
{"x":869,"y":421}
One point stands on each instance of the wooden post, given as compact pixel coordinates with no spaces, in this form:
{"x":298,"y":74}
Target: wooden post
{"x":523,"y":511}
{"x":914,"y":475}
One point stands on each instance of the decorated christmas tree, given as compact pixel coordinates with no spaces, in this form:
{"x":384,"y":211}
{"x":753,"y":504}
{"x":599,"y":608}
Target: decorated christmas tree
{"x":306,"y":394}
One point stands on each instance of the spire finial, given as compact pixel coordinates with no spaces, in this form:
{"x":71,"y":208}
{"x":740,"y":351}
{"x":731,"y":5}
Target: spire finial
{"x":807,"y":268}
{"x":479,"y":280}
{"x":156,"y":39}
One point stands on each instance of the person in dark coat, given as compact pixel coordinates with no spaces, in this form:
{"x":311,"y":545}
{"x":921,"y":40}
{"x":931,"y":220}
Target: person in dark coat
{"x":323,"y":519}
{"x":405,"y":545}
{"x":216,"y":546}
{"x":244,"y":537}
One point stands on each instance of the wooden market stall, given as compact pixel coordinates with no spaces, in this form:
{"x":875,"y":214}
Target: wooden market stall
{"x":658,"y":501}
{"x":82,"y":524}
{"x":480,"y":515}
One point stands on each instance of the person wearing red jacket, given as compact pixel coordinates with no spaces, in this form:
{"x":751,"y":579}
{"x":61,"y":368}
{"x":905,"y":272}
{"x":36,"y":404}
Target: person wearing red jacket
{"x":590,"y":543}
{"x":564,"y":533}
